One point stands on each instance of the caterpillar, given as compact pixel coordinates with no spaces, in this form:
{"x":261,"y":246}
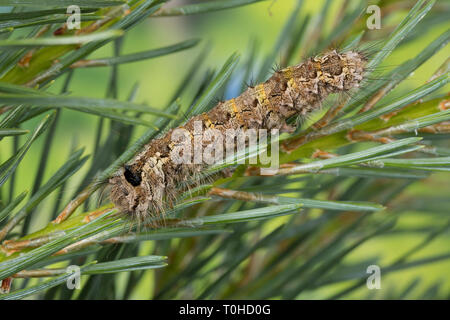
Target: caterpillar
{"x":143,"y":186}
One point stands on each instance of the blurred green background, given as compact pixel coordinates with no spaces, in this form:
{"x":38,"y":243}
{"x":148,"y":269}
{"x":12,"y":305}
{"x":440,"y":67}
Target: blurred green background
{"x":226,"y":32}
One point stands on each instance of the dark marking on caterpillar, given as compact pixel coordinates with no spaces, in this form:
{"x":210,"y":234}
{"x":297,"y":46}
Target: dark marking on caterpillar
{"x":134,"y":178}
{"x":148,"y":184}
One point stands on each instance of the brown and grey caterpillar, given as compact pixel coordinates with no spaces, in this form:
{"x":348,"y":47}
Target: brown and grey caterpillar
{"x":149,"y":183}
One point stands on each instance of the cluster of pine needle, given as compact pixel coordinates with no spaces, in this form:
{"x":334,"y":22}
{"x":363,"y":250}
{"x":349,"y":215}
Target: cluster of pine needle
{"x":356,"y":176}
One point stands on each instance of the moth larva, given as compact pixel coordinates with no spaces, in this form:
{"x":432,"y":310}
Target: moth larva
{"x":143,"y":186}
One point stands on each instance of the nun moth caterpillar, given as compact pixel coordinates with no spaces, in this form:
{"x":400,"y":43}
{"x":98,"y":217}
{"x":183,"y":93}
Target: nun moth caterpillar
{"x":143,"y":186}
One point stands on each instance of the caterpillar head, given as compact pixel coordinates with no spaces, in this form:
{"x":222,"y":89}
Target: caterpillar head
{"x":136,"y":192}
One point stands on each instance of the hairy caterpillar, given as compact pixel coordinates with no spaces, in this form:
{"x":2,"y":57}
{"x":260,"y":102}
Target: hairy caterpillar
{"x":143,"y":186}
